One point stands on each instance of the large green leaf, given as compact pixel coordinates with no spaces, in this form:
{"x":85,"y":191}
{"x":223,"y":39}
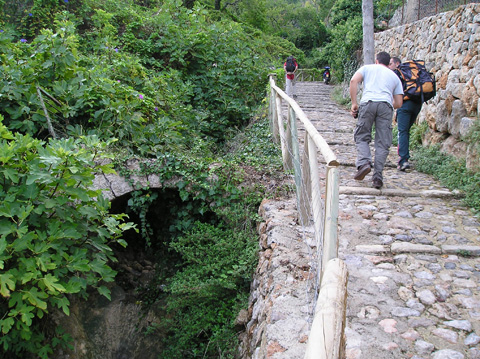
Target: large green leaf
{"x":52,"y":284}
{"x":35,"y":298}
{"x":7,"y":284}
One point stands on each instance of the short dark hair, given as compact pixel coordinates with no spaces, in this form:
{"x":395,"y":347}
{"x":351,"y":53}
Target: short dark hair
{"x":396,"y":60}
{"x":383,"y":58}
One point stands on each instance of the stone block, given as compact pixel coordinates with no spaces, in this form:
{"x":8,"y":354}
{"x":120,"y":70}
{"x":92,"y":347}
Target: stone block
{"x":100,"y":182}
{"x":441,"y":121}
{"x":374,"y":248}
{"x":476,"y":83}
{"x":433,"y":137}
{"x":466,"y":124}
{"x":118,"y":185}
{"x":454,"y":147}
{"x":455,"y":89}
{"x":473,"y":160}
{"x":454,"y":76}
{"x":405,"y":247}
{"x":458,"y":112}
{"x":465,"y":249}
{"x":469,"y":97}
{"x":442,"y":80}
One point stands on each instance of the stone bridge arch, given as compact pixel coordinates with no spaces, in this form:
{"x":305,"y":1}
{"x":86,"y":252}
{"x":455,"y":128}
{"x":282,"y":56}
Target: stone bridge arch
{"x":115,"y":185}
{"x":116,"y":328}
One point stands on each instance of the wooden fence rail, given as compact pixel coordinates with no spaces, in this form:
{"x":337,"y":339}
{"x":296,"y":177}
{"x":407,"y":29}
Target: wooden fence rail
{"x":312,"y":211}
{"x":309,"y":74}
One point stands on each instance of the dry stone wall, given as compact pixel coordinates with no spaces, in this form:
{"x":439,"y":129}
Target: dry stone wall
{"x":450,"y":45}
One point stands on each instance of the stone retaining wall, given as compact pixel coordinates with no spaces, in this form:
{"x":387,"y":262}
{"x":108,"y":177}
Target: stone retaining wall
{"x":449,"y":43}
{"x":282,"y":295}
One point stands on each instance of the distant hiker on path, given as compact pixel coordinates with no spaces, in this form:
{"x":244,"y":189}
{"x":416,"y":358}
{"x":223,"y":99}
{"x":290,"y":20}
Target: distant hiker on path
{"x":382,"y":92}
{"x":290,"y":66}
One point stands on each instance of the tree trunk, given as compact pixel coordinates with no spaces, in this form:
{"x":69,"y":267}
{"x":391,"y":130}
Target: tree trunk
{"x":368,"y":40}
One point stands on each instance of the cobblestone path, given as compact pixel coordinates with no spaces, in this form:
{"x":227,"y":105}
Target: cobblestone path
{"x":412,"y":250}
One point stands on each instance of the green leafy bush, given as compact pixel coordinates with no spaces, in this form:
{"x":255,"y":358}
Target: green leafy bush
{"x":55,"y":234}
{"x":110,"y":94}
{"x":225,"y":67}
{"x":156,"y":81}
{"x":169,"y":83}
{"x":346,"y":39}
{"x":385,"y":9}
{"x":343,"y":10}
{"x":208,"y":291}
{"x":417,"y":133}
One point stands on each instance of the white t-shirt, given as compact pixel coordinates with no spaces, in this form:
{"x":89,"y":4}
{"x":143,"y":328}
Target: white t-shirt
{"x":379,"y":84}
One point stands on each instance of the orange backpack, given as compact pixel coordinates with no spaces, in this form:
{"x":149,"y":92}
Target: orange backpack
{"x":418,"y":84}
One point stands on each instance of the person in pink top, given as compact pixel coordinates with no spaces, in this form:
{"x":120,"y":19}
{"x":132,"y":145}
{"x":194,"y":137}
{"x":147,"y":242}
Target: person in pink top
{"x":290,"y":66}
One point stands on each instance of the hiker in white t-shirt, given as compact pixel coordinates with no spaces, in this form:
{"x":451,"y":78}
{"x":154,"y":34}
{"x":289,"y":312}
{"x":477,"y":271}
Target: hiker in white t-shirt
{"x":382,"y":92}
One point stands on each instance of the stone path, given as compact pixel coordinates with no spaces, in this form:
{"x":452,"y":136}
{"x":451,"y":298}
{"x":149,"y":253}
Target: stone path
{"x":413,"y":259}
{"x":414,"y":270}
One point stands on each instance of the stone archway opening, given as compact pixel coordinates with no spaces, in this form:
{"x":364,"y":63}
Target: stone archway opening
{"x":148,"y":251}
{"x":121,"y":328}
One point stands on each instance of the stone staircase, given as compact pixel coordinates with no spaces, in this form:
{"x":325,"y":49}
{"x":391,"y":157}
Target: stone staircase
{"x":412,"y":251}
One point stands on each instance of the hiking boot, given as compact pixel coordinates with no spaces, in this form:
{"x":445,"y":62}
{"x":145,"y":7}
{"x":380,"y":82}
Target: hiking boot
{"x":377,"y":183}
{"x":362,"y":172}
{"x":404,"y":166}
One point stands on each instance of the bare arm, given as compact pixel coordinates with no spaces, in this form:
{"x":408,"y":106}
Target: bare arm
{"x":356,"y":79}
{"x":397,"y":101}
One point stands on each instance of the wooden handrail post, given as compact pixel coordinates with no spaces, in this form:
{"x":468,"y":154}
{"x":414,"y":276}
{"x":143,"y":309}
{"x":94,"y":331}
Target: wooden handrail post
{"x":306,"y":191}
{"x":326,"y":339}
{"x":330,"y":242}
{"x":288,"y":140}
{"x":316,"y":195}
{"x":281,"y":130}
{"x":272,"y":110}
{"x":297,"y":166}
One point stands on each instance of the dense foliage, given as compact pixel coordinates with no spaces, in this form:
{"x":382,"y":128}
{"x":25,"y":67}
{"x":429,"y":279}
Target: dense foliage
{"x":172,"y":75}
{"x":209,"y":290}
{"x":169,"y":83}
{"x":55,"y":233}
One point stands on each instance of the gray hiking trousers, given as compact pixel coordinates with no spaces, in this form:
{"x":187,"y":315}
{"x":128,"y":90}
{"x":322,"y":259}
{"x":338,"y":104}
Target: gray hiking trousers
{"x":380,"y":114}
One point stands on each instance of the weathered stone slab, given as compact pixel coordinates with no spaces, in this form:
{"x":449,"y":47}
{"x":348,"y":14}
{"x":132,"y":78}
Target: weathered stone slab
{"x":461,"y":249}
{"x":405,"y":247}
{"x":374,"y":248}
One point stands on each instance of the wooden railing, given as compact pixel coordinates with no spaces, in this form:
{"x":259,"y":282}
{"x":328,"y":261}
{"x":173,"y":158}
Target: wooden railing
{"x":325,"y":339}
{"x":309,"y":74}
